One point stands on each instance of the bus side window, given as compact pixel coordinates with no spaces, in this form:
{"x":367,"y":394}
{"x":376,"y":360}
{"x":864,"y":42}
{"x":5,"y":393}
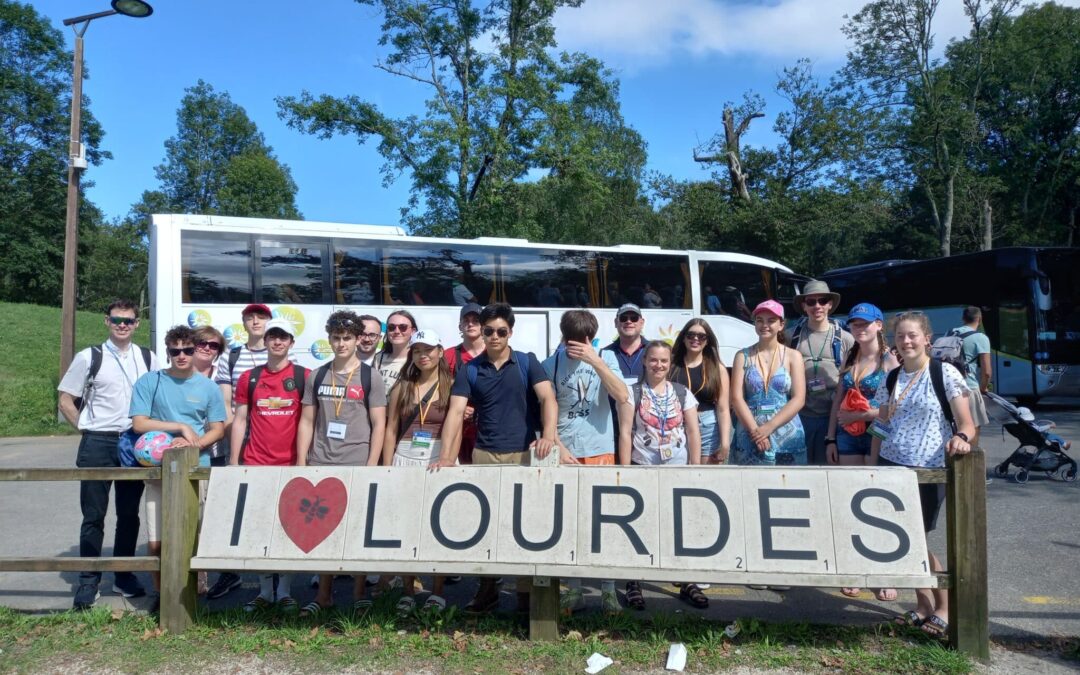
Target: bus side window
{"x":737,"y":286}
{"x":215,"y":267}
{"x":424,"y":274}
{"x":356,"y":273}
{"x":292,"y":272}
{"x":649,"y":281}
{"x":546,"y":278}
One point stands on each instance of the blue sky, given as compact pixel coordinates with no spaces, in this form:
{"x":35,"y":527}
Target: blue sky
{"x":678,"y":61}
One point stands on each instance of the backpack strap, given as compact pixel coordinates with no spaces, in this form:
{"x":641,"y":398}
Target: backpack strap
{"x":299,"y":374}
{"x":320,"y":376}
{"x":796,"y":333}
{"x":890,"y":379}
{"x":457,"y":358}
{"x":837,"y":344}
{"x":937,"y":380}
{"x":88,"y":383}
{"x":253,"y":379}
{"x":234,"y":356}
{"x":145,"y":357}
{"x":365,"y":384}
{"x":405,"y":422}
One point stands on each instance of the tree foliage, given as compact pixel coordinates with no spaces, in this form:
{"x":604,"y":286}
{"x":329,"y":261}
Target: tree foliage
{"x":501,"y":108}
{"x":35,"y":104}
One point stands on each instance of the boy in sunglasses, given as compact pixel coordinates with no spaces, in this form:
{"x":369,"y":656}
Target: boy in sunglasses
{"x":181,"y":402}
{"x":824,"y":346}
{"x":514,"y":401}
{"x":102,"y":417}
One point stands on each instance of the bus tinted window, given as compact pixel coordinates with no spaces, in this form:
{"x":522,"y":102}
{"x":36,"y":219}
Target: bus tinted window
{"x":422,"y":274}
{"x":356,"y":273}
{"x":648,"y":281}
{"x":738,"y":286}
{"x":548,"y":278}
{"x":215,"y":267}
{"x":291,"y":271}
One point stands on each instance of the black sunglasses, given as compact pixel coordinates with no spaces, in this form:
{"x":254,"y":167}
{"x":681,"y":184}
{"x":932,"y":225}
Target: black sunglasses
{"x":489,"y":331}
{"x":817,"y":301}
{"x":122,"y":321}
{"x":629,"y":316}
{"x":176,"y":351}
{"x":697,"y":337}
{"x":209,"y":344}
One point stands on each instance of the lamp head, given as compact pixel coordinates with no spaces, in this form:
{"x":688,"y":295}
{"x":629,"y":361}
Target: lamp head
{"x":137,"y":9}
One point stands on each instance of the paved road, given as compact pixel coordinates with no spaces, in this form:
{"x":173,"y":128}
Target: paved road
{"x":1034,"y":543}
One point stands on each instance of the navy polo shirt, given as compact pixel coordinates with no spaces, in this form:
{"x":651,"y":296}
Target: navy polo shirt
{"x":507,"y":411}
{"x":631,"y":366}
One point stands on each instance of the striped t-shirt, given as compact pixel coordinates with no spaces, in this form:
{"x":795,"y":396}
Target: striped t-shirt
{"x":248,"y":359}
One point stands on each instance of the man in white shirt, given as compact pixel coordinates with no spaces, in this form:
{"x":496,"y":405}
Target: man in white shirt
{"x":102,"y":418}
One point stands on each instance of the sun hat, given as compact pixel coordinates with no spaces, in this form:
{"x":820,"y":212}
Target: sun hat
{"x":771,"y":307}
{"x":866,"y":312}
{"x":425,"y":337}
{"x":815,"y":287}
{"x":282,"y":325}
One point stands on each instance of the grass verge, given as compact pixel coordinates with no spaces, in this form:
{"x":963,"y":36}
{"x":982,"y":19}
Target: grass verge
{"x":30,"y":364}
{"x":450,"y":642}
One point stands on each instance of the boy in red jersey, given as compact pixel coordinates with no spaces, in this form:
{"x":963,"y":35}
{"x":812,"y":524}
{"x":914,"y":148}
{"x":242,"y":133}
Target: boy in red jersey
{"x":264,"y":431}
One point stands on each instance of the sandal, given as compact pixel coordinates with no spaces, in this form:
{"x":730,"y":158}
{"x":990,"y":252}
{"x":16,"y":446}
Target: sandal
{"x":909,"y":618}
{"x":935,"y":627}
{"x":435,"y":602}
{"x":288,"y":605}
{"x":311,"y":609}
{"x":886,"y":594}
{"x":405,"y":606}
{"x":634,"y":598}
{"x":259,"y":604}
{"x":692,"y":594}
{"x":851,"y":592}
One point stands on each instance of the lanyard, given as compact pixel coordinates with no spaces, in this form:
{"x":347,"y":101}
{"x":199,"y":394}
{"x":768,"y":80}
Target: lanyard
{"x":120,"y":364}
{"x":426,"y":399}
{"x":344,"y":392}
{"x":907,"y":387}
{"x":767,"y":376}
{"x":810,"y":348}
{"x":689,"y":382}
{"x":662,"y":411}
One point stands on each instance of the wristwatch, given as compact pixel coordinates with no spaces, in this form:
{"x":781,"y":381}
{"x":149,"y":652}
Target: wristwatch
{"x":962,"y":435}
{"x":830,"y":440}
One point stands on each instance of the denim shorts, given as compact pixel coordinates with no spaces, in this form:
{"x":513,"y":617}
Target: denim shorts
{"x":846,"y":444}
{"x":710,"y":432}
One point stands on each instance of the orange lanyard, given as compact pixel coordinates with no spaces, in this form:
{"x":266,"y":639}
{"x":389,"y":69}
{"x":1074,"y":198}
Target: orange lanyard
{"x":420,"y":402}
{"x":908,"y":386}
{"x":767,"y":375}
{"x":344,"y":392}
{"x":688,"y":380}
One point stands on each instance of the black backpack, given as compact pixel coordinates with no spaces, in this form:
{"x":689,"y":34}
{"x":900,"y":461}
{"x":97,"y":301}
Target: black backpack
{"x":365,"y":384}
{"x":937,"y":381}
{"x":95,"y":366}
{"x":950,"y":349}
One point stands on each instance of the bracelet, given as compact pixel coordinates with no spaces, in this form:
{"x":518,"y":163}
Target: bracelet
{"x":830,"y":440}
{"x":961,"y":435}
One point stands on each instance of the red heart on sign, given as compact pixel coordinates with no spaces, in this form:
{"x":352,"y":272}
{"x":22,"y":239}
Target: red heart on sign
{"x":309,"y":513}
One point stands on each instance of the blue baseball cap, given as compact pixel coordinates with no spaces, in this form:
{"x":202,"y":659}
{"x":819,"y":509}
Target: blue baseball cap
{"x":866,"y":312}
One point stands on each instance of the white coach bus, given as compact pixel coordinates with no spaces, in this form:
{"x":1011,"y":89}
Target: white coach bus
{"x":205,"y":269}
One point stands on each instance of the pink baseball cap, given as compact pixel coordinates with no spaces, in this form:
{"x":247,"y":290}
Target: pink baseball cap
{"x":770,"y":306}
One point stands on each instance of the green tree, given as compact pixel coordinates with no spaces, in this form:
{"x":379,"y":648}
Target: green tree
{"x":491,"y":118}
{"x":35,"y":104}
{"x":219,"y":162}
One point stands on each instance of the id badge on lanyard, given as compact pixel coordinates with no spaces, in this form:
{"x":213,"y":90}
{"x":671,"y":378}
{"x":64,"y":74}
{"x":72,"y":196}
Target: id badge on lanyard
{"x":421,"y":440}
{"x":335,"y":430}
{"x":880,"y":429}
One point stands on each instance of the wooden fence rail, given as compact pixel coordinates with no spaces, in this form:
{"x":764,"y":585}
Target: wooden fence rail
{"x":966,"y":578}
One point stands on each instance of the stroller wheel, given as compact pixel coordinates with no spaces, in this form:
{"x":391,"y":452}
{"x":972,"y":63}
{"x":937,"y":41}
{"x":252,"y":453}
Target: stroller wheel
{"x":1021,"y":476}
{"x":1002,"y":470}
{"x":1068,"y":474}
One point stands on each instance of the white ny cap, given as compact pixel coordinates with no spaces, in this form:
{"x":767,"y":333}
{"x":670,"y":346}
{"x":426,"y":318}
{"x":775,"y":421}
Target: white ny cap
{"x":425,"y":337}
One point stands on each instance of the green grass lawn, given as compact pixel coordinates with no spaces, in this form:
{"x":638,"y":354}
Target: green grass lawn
{"x":30,"y":364}
{"x":452,"y":642}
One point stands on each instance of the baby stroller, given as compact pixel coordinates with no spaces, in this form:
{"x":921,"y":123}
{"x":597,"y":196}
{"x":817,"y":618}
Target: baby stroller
{"x":1040,"y":450}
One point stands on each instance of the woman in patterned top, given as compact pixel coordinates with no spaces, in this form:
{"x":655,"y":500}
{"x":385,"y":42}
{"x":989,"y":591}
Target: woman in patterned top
{"x":848,"y":442}
{"x":767,"y":392}
{"x":918,"y":434}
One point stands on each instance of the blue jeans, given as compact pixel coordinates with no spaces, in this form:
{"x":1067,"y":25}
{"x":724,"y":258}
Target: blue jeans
{"x":816,"y":429}
{"x":99,"y":450}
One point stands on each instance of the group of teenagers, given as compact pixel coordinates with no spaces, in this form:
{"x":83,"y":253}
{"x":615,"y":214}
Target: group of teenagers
{"x":807,"y":391}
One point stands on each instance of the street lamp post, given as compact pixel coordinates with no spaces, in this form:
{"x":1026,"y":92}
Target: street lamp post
{"x":76,"y":163}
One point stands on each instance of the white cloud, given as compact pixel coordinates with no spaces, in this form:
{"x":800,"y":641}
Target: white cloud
{"x":637,"y":33}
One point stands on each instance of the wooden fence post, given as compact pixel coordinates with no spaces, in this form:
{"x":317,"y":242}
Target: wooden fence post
{"x":969,"y":611}
{"x":544,"y":609}
{"x":179,"y":520}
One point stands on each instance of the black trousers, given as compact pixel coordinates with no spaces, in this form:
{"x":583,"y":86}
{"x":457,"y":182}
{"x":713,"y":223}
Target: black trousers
{"x":98,"y":449}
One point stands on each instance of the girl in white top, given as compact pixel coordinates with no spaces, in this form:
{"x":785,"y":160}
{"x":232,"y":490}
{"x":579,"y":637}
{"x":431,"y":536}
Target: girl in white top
{"x":919,"y":435}
{"x":400,"y":327}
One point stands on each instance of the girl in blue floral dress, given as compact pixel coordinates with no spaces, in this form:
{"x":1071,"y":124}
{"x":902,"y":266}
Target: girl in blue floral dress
{"x":767,"y":392}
